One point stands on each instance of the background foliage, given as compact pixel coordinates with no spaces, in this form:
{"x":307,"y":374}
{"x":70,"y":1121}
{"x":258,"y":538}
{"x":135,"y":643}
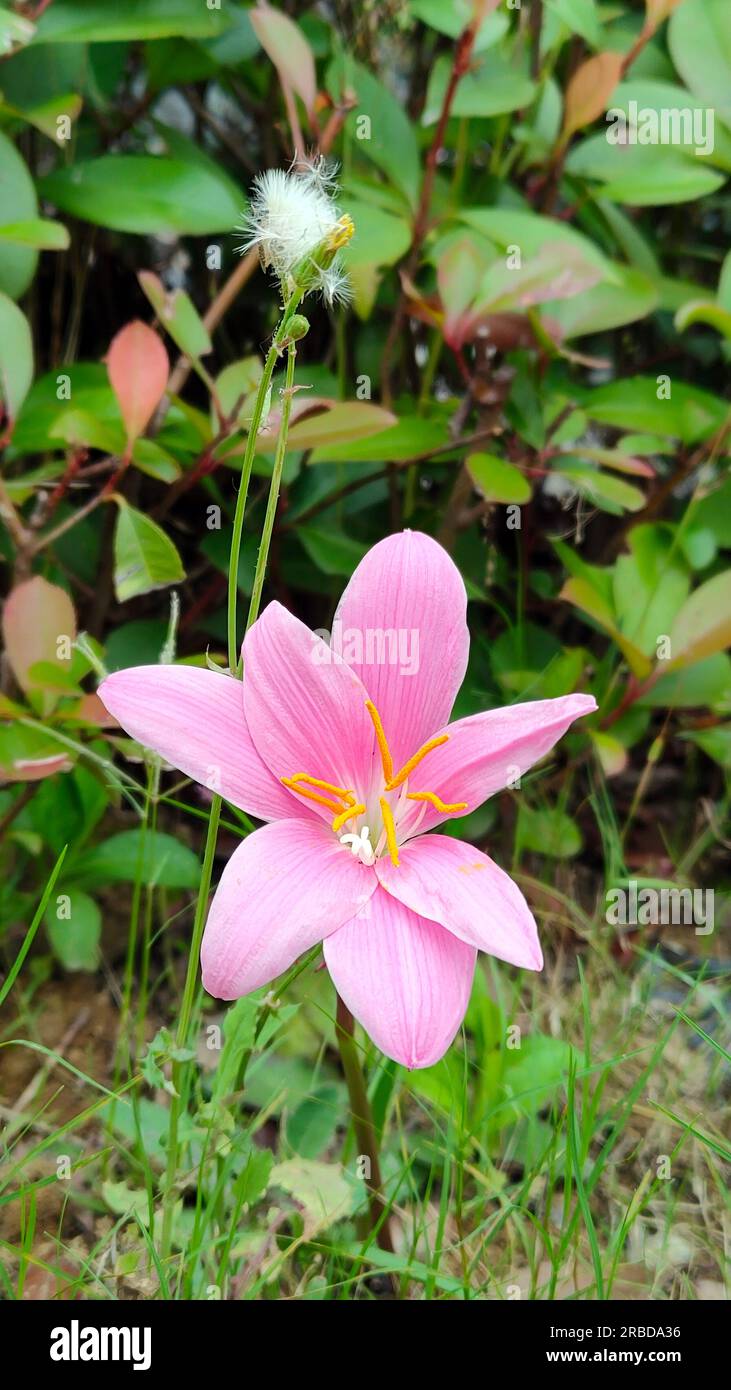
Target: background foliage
{"x":532,"y":369}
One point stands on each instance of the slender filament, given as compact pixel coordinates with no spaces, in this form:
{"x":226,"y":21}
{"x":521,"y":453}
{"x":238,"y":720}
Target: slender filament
{"x":445,"y":806}
{"x":390,"y":828}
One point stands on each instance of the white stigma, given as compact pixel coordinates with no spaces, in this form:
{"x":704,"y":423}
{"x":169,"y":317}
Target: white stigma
{"x":360,"y":845}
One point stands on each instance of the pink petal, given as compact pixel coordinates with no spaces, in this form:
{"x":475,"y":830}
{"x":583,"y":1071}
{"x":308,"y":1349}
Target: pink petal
{"x":406,"y":591}
{"x":487,"y":751}
{"x":286,"y":887}
{"x":405,"y":979}
{"x":305,"y":708}
{"x":453,"y":883}
{"x":195,"y":720}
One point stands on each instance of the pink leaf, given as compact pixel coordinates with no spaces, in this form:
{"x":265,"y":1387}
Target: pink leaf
{"x":39,"y":624}
{"x":138,"y":369}
{"x":289,"y":51}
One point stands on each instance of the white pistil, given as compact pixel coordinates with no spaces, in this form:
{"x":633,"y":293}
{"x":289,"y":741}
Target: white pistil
{"x":360,"y":845}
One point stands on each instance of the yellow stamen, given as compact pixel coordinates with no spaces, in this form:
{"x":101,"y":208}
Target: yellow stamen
{"x":390,"y":830}
{"x":345,"y":793}
{"x":341,"y":233}
{"x":436,"y":802}
{"x":386,"y":758}
{"x":311,"y":796}
{"x":404,"y":772}
{"x":346,"y":815}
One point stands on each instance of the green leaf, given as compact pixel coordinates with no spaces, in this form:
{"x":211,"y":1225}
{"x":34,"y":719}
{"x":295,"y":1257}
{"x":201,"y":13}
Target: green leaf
{"x":15,"y":31}
{"x":491,"y":87}
{"x":703,"y":625}
{"x":156,"y":462}
{"x":146,"y":195}
{"x":531,"y":1074}
{"x":706,"y":684}
{"x":581,"y":592}
{"x":159,"y":859}
{"x":239,"y":1031}
{"x":86,"y":428}
{"x":94,"y":21}
{"x":549,"y":831}
{"x":530,"y":231}
{"x":74,"y":937}
{"x":343,"y":422}
{"x":321,"y":1189}
{"x":390,"y":141}
{"x":380,"y":238}
{"x":669,"y":97}
{"x":498,"y":480}
{"x":715,"y":743}
{"x":643,"y":175}
{"x":16,"y":356}
{"x":635,"y":404}
{"x":580,"y":17}
{"x":603,"y":489}
{"x":704,"y":311}
{"x":18,"y":203}
{"x":632,"y":296}
{"x":451,"y":17}
{"x":144,"y":557}
{"x":407,"y":438}
{"x":311,"y":1127}
{"x":699,"y":37}
{"x":332,"y":551}
{"x":39,"y":232}
{"x":178,"y":315}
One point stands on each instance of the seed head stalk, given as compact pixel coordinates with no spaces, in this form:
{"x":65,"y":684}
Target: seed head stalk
{"x":234,"y":661}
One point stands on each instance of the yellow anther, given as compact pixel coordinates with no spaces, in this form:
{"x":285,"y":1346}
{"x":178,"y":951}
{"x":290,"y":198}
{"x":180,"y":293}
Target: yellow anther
{"x":345,"y":793}
{"x":436,"y":802}
{"x":390,"y":830}
{"x":341,"y":233}
{"x":346,"y":815}
{"x":386,"y":758}
{"x":404,"y":772}
{"x":311,"y":796}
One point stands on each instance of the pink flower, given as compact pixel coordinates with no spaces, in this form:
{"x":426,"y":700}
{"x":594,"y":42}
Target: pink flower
{"x":351,"y":760}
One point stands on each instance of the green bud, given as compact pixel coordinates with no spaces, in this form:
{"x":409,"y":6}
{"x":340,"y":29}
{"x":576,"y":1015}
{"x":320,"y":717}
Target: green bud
{"x":297,"y":327}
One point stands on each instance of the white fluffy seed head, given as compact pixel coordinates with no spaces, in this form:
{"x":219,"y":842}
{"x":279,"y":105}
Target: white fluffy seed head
{"x":292,"y":216}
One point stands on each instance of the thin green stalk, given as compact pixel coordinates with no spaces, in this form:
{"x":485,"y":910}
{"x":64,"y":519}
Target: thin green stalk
{"x":271,"y":512}
{"x":246,"y":467}
{"x":183,"y":1030}
{"x":365,"y":1130}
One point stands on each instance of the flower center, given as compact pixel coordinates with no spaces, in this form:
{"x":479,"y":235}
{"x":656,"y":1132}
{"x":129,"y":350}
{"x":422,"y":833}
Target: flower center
{"x":346,"y":808}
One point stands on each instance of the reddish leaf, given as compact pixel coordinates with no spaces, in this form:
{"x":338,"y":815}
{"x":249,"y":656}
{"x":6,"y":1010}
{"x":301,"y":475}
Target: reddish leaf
{"x":39,"y":624}
{"x":138,"y":369}
{"x":286,"y":45}
{"x":589,"y":90}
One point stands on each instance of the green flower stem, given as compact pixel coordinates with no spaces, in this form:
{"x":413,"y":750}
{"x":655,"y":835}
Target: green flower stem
{"x":179,"y":1066}
{"x":258,"y":411}
{"x":365,"y":1130}
{"x":266,"y":535}
{"x":183,"y":1031}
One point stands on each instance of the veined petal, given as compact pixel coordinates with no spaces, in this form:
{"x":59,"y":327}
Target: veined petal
{"x":195,"y":720}
{"x":401,"y":624}
{"x":487,"y":751}
{"x":305,"y":708}
{"x":404,"y":978}
{"x":453,"y":883}
{"x":284,"y":888}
